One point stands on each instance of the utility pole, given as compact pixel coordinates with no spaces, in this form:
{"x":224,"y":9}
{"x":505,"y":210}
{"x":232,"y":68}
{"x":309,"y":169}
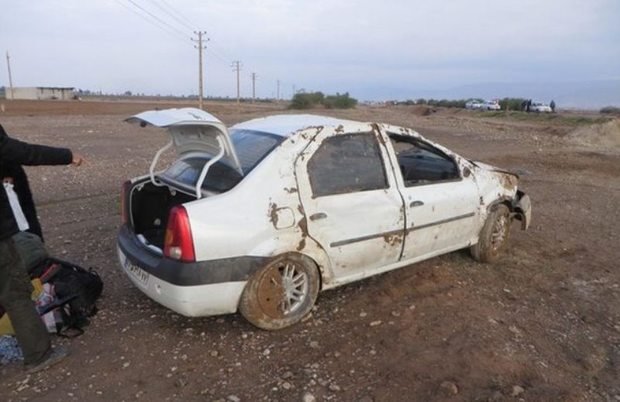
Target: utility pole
{"x":278,"y":92}
{"x":253,"y":87}
{"x":8,"y":63}
{"x":236,"y":65}
{"x":200,"y":47}
{"x":294,"y":92}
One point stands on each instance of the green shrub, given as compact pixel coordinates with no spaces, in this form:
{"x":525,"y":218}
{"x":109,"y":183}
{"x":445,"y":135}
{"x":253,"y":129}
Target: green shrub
{"x":313,"y":99}
{"x":610,"y":110}
{"x":511,"y":103}
{"x":338,"y":101}
{"x":303,"y":100}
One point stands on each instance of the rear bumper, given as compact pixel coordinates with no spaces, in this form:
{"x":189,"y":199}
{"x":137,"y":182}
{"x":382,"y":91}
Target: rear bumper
{"x":191,"y":289}
{"x":190,"y":301}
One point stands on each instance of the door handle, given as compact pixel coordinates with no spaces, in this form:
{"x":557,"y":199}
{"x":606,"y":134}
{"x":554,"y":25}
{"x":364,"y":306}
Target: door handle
{"x":414,"y":204}
{"x":317,"y":216}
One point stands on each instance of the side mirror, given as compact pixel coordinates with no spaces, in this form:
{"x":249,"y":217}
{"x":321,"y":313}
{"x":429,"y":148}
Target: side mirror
{"x":466,"y":172}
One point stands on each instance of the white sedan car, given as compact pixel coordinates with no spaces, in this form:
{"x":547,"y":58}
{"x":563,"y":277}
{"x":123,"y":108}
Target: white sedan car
{"x":540,"y":107}
{"x":261,"y":216}
{"x":491,"y":105}
{"x":473,"y":105}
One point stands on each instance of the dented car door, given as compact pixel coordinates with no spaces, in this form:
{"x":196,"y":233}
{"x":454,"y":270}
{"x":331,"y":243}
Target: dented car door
{"x":351,"y":201}
{"x":441,"y":198}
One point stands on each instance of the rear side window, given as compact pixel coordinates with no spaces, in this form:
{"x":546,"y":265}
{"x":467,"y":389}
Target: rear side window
{"x":251,"y":148}
{"x":345,"y":164}
{"x":186,"y":171}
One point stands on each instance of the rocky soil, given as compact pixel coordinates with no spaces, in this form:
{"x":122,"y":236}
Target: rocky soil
{"x":542,"y":324}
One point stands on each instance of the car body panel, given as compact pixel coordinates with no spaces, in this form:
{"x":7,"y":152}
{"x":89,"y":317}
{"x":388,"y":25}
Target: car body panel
{"x":191,"y":301}
{"x":286,"y":125}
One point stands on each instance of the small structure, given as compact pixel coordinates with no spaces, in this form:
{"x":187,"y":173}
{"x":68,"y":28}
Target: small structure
{"x":40,"y":93}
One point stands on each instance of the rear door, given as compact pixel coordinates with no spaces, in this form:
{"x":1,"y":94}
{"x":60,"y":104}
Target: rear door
{"x":351,"y":202}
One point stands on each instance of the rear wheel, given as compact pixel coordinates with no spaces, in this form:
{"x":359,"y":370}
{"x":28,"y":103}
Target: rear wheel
{"x":493,"y":236}
{"x":281,"y":293}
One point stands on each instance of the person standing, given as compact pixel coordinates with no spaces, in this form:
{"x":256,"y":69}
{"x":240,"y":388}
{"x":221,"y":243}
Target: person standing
{"x":15,"y":287}
{"x":552,"y":106}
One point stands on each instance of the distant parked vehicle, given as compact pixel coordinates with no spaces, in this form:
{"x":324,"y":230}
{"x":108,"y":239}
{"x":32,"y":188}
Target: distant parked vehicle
{"x":490,"y":105}
{"x":473,"y":104}
{"x":540,"y":107}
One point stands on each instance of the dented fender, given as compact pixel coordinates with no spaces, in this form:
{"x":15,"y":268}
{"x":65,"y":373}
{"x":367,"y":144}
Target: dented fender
{"x":523,"y":209}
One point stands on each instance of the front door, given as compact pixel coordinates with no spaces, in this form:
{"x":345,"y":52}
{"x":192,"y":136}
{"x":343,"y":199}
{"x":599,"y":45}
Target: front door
{"x":440,"y":202}
{"x":351,"y":202}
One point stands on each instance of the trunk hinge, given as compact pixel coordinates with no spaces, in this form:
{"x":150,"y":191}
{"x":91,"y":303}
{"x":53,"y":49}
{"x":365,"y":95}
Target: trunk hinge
{"x":154,"y":163}
{"x":205,"y":169}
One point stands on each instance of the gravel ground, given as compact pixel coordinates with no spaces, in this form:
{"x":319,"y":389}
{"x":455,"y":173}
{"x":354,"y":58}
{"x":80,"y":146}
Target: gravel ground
{"x":542,"y":324}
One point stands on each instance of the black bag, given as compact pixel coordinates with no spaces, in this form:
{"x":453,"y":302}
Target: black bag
{"x":77,"y":290}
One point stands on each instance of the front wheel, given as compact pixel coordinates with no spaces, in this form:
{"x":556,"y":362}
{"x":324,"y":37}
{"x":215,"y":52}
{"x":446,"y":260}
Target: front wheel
{"x":281,"y":293}
{"x":493,"y":236}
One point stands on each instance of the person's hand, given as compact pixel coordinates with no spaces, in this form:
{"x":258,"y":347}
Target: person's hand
{"x":77,"y":160}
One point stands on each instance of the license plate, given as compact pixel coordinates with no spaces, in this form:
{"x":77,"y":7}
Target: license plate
{"x":141,"y":276}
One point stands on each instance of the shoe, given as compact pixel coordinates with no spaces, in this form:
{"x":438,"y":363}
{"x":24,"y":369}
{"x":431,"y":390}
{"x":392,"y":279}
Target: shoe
{"x":53,"y":356}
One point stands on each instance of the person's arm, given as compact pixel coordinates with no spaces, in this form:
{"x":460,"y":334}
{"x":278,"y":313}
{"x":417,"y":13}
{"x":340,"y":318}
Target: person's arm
{"x":22,"y":153}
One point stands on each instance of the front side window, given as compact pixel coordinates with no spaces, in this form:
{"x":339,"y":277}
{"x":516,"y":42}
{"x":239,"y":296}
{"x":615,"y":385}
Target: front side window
{"x":421,"y":163}
{"x":345,"y":164}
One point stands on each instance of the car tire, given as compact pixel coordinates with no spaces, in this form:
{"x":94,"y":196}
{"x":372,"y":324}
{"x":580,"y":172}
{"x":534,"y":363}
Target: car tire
{"x":494,"y":235}
{"x":281,"y":293}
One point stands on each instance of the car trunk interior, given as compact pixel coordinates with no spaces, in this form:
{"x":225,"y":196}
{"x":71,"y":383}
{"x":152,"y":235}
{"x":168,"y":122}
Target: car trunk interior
{"x":150,"y":206}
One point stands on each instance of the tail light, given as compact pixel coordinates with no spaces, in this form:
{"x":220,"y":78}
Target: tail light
{"x":178,"y":243}
{"x":125,"y":189}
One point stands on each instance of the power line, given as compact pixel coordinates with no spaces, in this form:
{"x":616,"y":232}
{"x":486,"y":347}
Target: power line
{"x":177,"y":19}
{"x":181,"y":16}
{"x":221,"y":52}
{"x":177,"y":16}
{"x":218,"y":54}
{"x":156,"y":17}
{"x":152,"y":22}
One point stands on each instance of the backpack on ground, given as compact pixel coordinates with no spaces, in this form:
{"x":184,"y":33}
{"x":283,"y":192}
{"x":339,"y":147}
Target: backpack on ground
{"x":76,"y":292}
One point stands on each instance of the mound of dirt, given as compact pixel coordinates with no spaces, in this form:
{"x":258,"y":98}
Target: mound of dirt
{"x":422,"y":110}
{"x":605,"y":134}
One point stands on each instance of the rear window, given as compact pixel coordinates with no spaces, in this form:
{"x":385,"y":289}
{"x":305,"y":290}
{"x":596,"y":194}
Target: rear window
{"x":251,"y":148}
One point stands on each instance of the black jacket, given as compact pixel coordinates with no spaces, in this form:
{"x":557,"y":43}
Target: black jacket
{"x":13,"y":154}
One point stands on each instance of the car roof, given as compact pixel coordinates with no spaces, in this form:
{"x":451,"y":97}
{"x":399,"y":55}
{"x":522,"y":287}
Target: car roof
{"x":286,"y":124}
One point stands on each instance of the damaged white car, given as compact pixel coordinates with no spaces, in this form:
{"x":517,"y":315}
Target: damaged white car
{"x":261,"y":216}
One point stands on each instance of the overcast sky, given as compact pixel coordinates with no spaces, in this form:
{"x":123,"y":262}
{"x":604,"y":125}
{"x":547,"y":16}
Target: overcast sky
{"x":372,"y":49}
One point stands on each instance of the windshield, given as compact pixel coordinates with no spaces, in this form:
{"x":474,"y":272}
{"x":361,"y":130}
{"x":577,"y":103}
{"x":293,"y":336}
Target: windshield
{"x":251,"y":148}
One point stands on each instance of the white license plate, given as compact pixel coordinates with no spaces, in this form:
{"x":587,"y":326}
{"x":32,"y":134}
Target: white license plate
{"x":141,"y":276}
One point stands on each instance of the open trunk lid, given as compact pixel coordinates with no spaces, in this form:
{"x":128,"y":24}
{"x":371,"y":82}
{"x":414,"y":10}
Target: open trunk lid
{"x":192,"y":130}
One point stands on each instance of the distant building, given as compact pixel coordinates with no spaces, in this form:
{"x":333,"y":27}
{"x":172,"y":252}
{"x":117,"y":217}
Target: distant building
{"x":40,"y":93}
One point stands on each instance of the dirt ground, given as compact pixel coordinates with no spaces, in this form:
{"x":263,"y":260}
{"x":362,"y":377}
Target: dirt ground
{"x":542,"y":324}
